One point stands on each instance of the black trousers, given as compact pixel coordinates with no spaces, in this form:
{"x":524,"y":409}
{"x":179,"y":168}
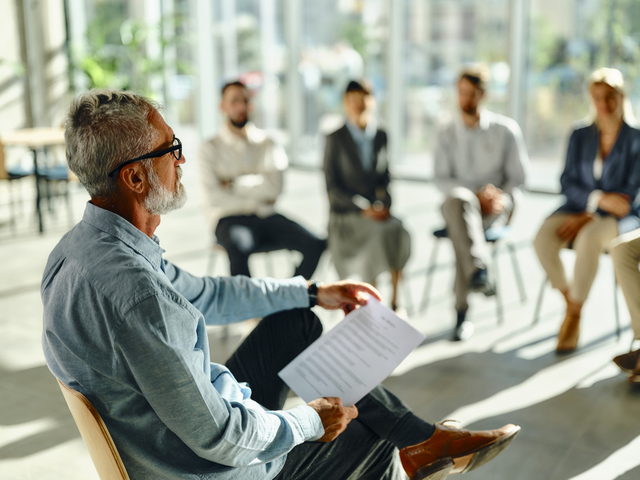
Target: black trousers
{"x":243,"y":235}
{"x":367,"y":449}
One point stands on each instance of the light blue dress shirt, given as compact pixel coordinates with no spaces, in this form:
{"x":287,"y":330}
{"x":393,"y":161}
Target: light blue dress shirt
{"x":128,"y":330}
{"x":364,"y":141}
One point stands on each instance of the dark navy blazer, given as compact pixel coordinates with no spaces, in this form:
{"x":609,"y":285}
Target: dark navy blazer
{"x":620,"y":172}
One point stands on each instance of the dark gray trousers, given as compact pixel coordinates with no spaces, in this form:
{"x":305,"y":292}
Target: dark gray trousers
{"x":367,"y":449}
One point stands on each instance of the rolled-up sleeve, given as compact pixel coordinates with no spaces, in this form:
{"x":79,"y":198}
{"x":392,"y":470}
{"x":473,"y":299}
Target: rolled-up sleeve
{"x":223,"y":300}
{"x":157,"y":340}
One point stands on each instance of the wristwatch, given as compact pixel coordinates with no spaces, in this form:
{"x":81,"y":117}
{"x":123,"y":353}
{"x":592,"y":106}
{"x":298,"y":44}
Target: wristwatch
{"x":313,"y":293}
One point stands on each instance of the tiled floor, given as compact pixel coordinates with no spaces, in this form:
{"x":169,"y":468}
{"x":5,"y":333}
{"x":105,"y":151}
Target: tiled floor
{"x":580,"y":419}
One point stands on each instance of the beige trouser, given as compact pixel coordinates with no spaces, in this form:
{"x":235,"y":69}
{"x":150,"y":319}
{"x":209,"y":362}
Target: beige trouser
{"x":588,"y":245}
{"x":465,"y":226}
{"x":626,"y":257}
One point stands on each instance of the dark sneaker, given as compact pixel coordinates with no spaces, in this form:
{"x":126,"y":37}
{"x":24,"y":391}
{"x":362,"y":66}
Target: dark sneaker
{"x":464,"y":328}
{"x":480,"y":283}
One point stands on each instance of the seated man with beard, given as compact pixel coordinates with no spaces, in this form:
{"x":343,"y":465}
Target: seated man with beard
{"x":241,"y":173}
{"x":127,"y":329}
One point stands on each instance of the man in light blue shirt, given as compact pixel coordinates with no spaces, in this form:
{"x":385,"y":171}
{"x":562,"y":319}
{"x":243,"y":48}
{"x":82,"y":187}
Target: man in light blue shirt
{"x":128,"y":330}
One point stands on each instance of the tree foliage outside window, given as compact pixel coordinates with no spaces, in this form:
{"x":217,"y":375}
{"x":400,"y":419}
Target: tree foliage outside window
{"x":116,"y":53}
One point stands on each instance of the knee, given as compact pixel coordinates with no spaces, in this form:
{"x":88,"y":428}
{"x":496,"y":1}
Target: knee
{"x":301,"y":320}
{"x":544,"y":239}
{"x":589,"y":242}
{"x":457,"y":198}
{"x":620,"y":253}
{"x":318,"y":245}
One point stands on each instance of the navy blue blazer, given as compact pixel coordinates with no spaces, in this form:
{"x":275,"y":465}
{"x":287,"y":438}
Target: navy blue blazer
{"x":620,"y":172}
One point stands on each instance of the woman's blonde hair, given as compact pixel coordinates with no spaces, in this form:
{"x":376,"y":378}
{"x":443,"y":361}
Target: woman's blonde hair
{"x":614,"y":79}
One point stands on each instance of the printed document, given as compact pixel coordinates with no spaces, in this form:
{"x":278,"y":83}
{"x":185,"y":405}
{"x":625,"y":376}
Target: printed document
{"x":353,"y":357}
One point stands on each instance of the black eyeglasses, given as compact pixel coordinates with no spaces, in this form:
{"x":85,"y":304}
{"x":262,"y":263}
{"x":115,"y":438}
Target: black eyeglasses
{"x":175,"y":149}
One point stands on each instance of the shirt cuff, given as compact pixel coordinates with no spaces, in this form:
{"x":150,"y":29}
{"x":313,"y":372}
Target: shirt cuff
{"x":594,"y":200}
{"x":305,"y":423}
{"x":361,"y":202}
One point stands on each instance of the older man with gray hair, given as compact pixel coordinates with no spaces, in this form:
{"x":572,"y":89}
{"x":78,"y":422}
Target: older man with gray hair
{"x":127,"y":329}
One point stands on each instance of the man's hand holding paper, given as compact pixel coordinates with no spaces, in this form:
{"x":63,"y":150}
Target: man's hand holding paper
{"x":354,"y":357}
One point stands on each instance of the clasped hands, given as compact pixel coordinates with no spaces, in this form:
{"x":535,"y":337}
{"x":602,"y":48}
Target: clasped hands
{"x":346,"y":295}
{"x":491,"y":200}
{"x":615,"y":204}
{"x":377,"y":214}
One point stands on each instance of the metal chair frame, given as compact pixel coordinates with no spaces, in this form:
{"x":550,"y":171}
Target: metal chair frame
{"x":616,"y":306}
{"x":493,"y":236}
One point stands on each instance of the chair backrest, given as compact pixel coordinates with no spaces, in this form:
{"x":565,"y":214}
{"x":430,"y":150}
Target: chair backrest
{"x":96,"y":437}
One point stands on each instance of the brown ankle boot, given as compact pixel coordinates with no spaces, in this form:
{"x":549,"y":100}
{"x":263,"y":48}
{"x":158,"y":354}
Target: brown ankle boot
{"x":570,"y":329}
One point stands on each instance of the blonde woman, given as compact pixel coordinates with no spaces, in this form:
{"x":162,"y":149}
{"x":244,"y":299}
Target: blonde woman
{"x":600,"y":182}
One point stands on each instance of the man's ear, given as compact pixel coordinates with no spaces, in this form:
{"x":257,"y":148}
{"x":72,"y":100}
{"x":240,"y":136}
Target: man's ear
{"x":132,"y":177}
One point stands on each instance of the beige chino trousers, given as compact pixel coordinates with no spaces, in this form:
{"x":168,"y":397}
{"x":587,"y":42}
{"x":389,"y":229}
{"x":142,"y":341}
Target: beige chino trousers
{"x":625,"y":252}
{"x":588,"y":245}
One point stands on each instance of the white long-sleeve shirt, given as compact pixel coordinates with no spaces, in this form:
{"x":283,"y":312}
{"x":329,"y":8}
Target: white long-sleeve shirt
{"x":492,"y":152}
{"x":253,"y":166}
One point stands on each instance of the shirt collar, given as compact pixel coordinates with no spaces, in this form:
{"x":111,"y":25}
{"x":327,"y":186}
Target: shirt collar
{"x":367,"y":134}
{"x":254,"y":134}
{"x":115,"y":225}
{"x":484,"y":122}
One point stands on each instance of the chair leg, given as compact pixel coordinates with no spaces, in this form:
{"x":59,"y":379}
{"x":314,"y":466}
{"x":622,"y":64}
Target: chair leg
{"x":516,"y":270}
{"x":426,"y":297}
{"x":536,"y":313}
{"x":12,"y":209}
{"x":496,"y":272}
{"x":616,"y":306}
{"x":407,"y":294}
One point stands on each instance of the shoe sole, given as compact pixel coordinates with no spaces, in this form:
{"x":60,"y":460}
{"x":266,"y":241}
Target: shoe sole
{"x":491,"y":451}
{"x":438,"y":470}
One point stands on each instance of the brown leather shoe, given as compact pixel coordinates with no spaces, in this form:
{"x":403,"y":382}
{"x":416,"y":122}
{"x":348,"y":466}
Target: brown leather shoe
{"x":634,"y":376}
{"x":569,"y":332}
{"x":452,"y":450}
{"x":628,"y":362}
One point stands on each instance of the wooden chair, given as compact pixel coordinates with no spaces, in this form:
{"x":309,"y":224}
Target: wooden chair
{"x":96,"y":437}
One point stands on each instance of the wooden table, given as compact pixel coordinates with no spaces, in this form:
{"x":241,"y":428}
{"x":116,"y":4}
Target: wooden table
{"x":35,"y":139}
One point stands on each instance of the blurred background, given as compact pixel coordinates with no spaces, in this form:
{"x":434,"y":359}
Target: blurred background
{"x":296,"y":57}
{"x":579,"y":416}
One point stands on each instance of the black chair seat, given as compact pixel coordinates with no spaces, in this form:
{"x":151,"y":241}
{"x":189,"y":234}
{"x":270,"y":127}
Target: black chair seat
{"x":55,"y":173}
{"x":16,"y":173}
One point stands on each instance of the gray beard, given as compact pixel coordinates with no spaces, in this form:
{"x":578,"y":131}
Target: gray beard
{"x":160,"y":200}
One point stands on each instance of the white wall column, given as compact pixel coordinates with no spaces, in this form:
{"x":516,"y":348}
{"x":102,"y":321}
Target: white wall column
{"x":229,"y":40}
{"x":36,"y":64}
{"x":207,"y":91}
{"x":518,"y":36}
{"x":77,"y":22}
{"x":395,"y":104}
{"x":295,"y":101}
{"x":268,"y":40}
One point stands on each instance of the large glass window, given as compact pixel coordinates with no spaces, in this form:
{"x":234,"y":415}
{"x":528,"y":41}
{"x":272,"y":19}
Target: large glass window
{"x":249,"y":36}
{"x":440,"y":38}
{"x":340,"y":40}
{"x":154,"y":47}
